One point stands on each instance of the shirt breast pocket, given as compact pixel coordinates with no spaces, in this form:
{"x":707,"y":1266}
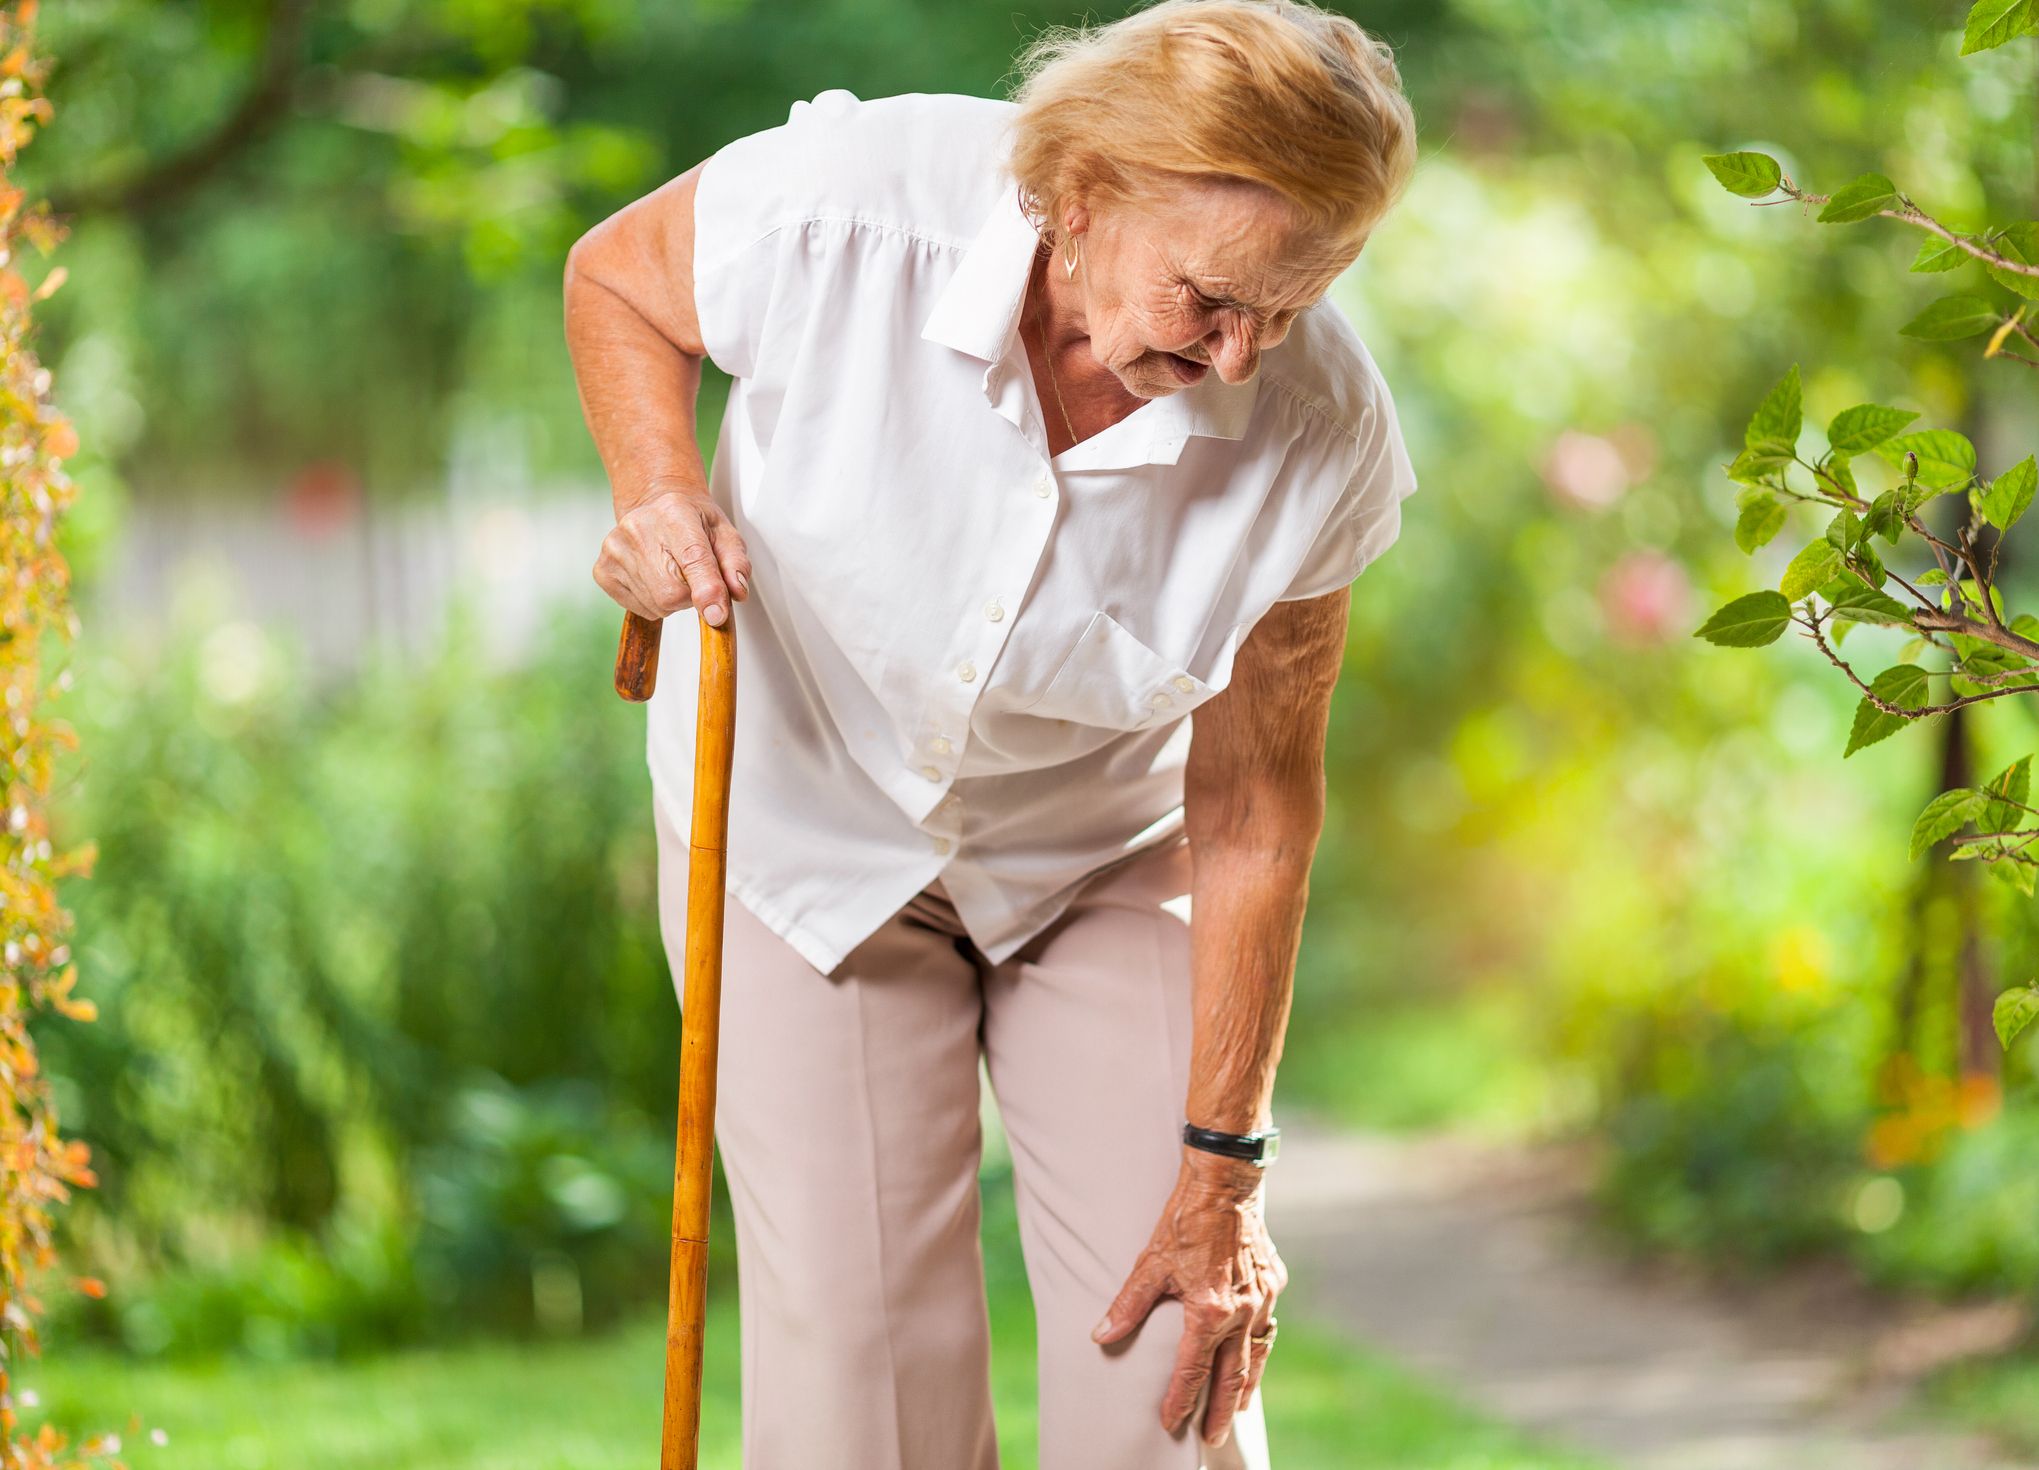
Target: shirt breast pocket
{"x":1112,"y":679}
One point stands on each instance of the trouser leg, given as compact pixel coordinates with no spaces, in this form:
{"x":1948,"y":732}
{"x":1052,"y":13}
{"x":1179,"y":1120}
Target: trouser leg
{"x":847,"y":1118}
{"x":1087,"y":1040}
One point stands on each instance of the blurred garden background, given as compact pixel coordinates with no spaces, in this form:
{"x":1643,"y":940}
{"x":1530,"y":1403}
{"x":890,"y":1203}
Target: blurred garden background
{"x":380,"y":1092}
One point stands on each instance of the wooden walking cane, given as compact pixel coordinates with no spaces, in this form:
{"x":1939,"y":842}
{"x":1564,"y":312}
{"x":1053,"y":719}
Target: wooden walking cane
{"x":700,"y":1011}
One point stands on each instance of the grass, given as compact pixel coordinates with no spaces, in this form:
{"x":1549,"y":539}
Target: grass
{"x":1998,"y":1397}
{"x":594,"y":1402}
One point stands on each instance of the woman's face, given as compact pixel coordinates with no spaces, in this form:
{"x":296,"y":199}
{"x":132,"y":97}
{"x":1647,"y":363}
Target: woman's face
{"x":1208,"y":277}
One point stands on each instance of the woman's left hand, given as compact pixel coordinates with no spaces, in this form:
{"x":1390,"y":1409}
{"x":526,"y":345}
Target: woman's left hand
{"x":1212,"y":1250}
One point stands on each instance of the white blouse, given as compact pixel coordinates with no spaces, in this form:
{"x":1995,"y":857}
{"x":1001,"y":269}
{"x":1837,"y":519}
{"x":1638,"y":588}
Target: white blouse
{"x":961,"y":657}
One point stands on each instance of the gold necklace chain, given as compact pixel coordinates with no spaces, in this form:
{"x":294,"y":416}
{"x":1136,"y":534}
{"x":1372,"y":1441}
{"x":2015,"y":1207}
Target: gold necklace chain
{"x":1048,"y":357}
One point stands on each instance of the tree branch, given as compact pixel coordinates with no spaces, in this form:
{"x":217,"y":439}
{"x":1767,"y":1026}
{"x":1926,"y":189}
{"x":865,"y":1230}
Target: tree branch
{"x":261,"y":107}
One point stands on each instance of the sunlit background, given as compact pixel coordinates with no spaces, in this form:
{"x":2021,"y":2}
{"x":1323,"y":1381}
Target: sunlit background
{"x":381,"y":1094}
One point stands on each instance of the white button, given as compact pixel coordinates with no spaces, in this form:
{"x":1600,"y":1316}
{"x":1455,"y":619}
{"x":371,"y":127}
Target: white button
{"x":1160,"y":701}
{"x":1183,"y":682}
{"x":939,"y":745}
{"x":1044,"y":487}
{"x":966,"y":671}
{"x":941,"y":844}
{"x":993,"y":611}
{"x":931,"y":773}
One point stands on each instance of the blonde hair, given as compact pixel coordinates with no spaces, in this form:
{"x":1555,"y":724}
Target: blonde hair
{"x":1277,"y":92}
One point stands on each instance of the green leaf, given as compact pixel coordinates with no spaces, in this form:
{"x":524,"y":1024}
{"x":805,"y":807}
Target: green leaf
{"x":2008,"y":792}
{"x":1982,"y":663}
{"x":2019,"y":242}
{"x":1931,"y":577}
{"x":1754,"y":467}
{"x":1918,"y":493}
{"x":1904,"y":685}
{"x":1815,"y":564}
{"x":1778,"y":418}
{"x":1868,"y":564}
{"x":1845,"y":529}
{"x":1865,"y":426}
{"x":1950,"y":317}
{"x":2015,"y":1009}
{"x":1760,"y":520}
{"x":1843,"y":474}
{"x":2015,"y":873}
{"x":2009,"y":494}
{"x":1747,"y":622}
{"x":1993,"y":22}
{"x":1859,"y":201}
{"x":1936,"y":254}
{"x":1946,"y":459}
{"x":1751,"y":175}
{"x":1885,"y":517}
{"x":1944,"y":815}
{"x":1863,"y":604}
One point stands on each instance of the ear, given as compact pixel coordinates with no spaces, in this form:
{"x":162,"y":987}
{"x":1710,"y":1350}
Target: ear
{"x":1075,"y":219}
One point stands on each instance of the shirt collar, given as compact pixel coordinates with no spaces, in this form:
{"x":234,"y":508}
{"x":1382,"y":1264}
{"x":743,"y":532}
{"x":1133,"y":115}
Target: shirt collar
{"x":978,"y":311}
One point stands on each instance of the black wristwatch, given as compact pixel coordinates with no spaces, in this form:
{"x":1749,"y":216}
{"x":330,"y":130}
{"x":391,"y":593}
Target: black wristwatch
{"x":1259,"y":1148}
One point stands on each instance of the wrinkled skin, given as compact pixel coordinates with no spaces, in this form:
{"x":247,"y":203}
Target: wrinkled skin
{"x":1204,"y":278}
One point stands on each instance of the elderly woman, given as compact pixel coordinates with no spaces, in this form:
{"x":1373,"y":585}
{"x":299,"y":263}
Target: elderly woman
{"x":1043,"y":475}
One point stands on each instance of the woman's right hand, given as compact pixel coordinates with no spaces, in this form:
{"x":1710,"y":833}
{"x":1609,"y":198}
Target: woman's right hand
{"x":673,"y":550}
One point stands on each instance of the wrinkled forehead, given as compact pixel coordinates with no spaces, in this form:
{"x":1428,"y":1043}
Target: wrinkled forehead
{"x":1237,"y":240}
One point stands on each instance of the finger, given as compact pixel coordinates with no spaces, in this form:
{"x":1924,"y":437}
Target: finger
{"x":1257,"y":1353}
{"x":1192,"y":1370}
{"x":705,"y":587}
{"x":1131,"y":1306}
{"x":734,"y":560}
{"x":1228,"y":1387}
{"x":623,"y":590}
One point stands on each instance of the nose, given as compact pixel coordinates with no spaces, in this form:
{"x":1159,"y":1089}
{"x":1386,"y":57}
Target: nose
{"x":1233,"y":352}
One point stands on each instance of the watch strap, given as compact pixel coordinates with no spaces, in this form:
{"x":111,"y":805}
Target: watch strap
{"x":1259,"y":1147}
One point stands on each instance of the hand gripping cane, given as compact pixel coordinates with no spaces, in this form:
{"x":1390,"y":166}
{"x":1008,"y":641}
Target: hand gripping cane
{"x":700,"y":1012}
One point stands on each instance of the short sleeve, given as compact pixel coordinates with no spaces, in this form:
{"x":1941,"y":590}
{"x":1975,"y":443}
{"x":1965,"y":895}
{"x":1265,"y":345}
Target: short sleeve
{"x":1367,"y":516}
{"x":750,"y":191}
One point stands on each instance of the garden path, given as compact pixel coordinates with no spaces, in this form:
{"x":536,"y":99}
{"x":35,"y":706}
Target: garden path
{"x":1478,"y":1264}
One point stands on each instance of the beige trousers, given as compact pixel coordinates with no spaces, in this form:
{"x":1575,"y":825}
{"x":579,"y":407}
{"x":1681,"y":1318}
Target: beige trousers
{"x":848,"y":1123}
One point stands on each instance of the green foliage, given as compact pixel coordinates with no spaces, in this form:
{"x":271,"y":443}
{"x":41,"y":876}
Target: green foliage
{"x":2015,"y":1009}
{"x":1815,"y":565}
{"x":1865,"y":426}
{"x":1903,"y":685}
{"x":1987,"y":652}
{"x":1751,"y":175}
{"x":1774,"y":428}
{"x":1730,"y":1139}
{"x":381,"y":957}
{"x":1944,"y":815}
{"x":1748,"y":622}
{"x":1993,"y":22}
{"x":1952,"y":317}
{"x":1761,"y":518}
{"x":1864,"y":199}
{"x":1940,"y":458}
{"x":2008,"y":495}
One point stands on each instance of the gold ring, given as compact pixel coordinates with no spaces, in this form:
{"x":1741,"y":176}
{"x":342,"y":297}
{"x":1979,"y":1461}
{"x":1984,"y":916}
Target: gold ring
{"x":1266,"y":1338}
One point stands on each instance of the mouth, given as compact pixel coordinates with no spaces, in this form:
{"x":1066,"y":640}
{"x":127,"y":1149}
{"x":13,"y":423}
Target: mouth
{"x":1185,"y":370}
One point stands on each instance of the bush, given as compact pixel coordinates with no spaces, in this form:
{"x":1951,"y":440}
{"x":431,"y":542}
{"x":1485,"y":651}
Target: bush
{"x":390,"y":1034}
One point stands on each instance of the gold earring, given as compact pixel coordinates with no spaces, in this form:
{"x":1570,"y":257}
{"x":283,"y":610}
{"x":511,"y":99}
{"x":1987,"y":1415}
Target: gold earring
{"x":1069,"y":259}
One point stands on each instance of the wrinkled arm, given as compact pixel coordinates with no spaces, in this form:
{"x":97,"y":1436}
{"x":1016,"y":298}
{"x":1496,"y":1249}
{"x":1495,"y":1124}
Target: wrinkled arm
{"x":635,"y":338}
{"x":1254,"y":807}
